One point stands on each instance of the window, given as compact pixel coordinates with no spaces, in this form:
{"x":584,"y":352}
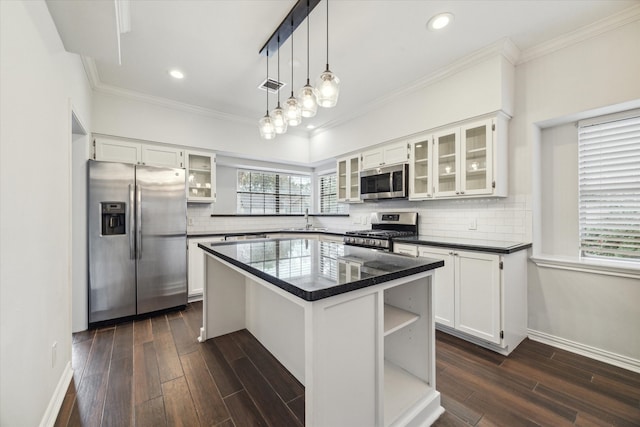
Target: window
{"x":328,"y":195}
{"x":609,"y":186}
{"x":272,"y":193}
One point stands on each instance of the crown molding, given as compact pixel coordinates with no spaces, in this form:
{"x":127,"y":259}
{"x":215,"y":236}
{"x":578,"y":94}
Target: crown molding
{"x":594,"y":29}
{"x":504,"y":47}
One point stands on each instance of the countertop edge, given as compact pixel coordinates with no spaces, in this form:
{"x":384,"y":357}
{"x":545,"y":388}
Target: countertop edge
{"x":323,"y":293}
{"x":491,"y":249}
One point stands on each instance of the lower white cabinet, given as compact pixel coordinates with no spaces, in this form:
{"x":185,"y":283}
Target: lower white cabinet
{"x":195,"y":267}
{"x":479,"y":296}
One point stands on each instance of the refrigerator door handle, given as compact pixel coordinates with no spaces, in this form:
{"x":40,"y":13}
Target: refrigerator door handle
{"x":131,"y":227}
{"x":139,"y":221}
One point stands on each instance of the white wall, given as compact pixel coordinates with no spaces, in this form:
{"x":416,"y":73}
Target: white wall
{"x":559,"y":190}
{"x":127,"y":117}
{"x":599,"y":312}
{"x":38,"y":79}
{"x":478,"y":89}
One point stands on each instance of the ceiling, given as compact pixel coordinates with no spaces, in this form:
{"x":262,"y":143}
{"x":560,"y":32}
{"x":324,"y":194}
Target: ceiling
{"x":376,"y":47}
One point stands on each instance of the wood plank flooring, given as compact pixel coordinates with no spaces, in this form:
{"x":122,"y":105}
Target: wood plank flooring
{"x":153,"y":372}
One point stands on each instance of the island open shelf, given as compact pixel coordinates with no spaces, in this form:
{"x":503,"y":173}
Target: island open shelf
{"x":363,"y":348}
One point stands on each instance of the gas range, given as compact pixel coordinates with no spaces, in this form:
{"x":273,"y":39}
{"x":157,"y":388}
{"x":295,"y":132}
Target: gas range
{"x":384,"y":227}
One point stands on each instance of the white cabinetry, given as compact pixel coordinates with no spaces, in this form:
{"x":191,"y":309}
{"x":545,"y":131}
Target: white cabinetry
{"x":479,"y":296}
{"x":348,"y":170}
{"x":386,"y":155}
{"x":117,"y":150}
{"x":201,"y":177}
{"x":195,"y":268}
{"x":420,"y":167}
{"x":470,"y":160}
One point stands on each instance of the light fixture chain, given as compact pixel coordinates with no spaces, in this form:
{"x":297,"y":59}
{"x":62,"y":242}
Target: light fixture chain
{"x":308,"y":41}
{"x":327,"y":34}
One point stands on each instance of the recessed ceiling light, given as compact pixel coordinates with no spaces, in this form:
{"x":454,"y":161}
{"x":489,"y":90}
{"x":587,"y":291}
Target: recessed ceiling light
{"x":176,"y":74}
{"x":311,"y":127}
{"x":440,"y":21}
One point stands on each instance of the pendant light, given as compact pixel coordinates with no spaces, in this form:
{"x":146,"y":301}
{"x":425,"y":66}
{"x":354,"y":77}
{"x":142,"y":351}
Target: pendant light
{"x":265,"y":125}
{"x":328,"y":84}
{"x":307,"y":95}
{"x":277,"y":115}
{"x":292,"y":107}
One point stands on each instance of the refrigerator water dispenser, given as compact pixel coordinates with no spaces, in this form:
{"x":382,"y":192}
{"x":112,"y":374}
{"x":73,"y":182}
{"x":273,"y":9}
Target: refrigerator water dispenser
{"x":113,"y":218}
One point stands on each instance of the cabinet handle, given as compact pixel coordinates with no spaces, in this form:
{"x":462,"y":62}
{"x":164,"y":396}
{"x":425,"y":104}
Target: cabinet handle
{"x":462,"y":192}
{"x":457,"y":192}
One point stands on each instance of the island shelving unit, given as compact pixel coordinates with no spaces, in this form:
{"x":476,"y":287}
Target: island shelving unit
{"x":363,"y":347}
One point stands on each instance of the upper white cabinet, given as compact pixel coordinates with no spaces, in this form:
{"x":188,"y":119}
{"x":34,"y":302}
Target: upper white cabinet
{"x":116,"y":150}
{"x":420,"y":166}
{"x":348,"y":179}
{"x":470,"y":160}
{"x":386,"y":155}
{"x":201,"y":177}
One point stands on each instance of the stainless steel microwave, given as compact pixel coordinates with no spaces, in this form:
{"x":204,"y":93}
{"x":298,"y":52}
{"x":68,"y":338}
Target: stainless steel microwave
{"x":389,"y":182}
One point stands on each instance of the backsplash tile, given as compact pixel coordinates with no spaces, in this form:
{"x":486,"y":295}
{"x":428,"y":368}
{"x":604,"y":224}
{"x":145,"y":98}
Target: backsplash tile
{"x":507,"y":219}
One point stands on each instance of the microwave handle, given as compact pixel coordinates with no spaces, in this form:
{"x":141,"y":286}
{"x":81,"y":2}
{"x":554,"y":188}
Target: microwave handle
{"x":391,"y":182}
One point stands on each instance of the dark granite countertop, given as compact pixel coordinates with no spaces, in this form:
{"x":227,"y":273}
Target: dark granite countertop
{"x":314,"y":270}
{"x":493,"y":246}
{"x":282,"y":231}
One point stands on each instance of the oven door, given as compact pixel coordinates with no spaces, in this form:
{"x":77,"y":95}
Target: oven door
{"x":389,"y":182}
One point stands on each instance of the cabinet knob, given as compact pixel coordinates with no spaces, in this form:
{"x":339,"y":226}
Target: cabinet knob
{"x":462,"y":192}
{"x":457,"y":192}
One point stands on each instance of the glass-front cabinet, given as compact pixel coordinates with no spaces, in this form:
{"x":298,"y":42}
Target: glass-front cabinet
{"x":446,"y":149}
{"x":420,"y":181}
{"x":477,"y":150}
{"x":463,"y":160}
{"x":201,"y":177}
{"x":348,"y":169}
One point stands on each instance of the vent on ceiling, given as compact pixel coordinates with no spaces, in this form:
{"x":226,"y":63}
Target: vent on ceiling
{"x":271,"y":85}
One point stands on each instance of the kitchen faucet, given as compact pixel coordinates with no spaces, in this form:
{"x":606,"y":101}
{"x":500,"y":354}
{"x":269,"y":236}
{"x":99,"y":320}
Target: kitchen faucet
{"x":306,"y":218}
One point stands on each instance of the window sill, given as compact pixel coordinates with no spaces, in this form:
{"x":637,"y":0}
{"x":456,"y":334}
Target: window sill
{"x":609,"y":268}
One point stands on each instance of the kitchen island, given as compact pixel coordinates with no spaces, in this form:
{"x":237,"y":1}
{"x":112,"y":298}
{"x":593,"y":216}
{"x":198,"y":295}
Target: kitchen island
{"x":355,"y":326}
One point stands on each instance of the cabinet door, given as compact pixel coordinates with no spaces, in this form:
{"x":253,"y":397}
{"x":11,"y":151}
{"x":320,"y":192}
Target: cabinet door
{"x":354,"y":179}
{"x":478,"y":308}
{"x":158,"y":155}
{"x":395,"y":153}
{"x":201,"y":177}
{"x":113,"y":150}
{"x":372,"y":159}
{"x":476,"y":150}
{"x":342,"y":178}
{"x":446,"y":146}
{"x":444,"y":285}
{"x":420,"y":186}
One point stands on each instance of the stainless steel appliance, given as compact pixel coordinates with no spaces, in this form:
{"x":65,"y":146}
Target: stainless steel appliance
{"x":384,"y":227}
{"x":389,"y":182}
{"x":137,"y":240}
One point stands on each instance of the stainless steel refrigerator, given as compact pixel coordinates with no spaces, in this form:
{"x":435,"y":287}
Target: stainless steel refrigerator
{"x":137,"y":240}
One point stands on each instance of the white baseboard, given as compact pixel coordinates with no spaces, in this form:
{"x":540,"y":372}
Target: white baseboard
{"x":585,"y":350}
{"x":50,"y":415}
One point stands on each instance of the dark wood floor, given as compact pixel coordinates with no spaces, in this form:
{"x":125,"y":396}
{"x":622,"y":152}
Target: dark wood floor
{"x":153,"y":372}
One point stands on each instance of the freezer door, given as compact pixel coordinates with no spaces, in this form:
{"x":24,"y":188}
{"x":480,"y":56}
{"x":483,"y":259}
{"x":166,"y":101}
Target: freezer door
{"x":161,"y":238}
{"x":112,"y":265}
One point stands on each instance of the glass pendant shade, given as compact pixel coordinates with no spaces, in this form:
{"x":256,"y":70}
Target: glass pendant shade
{"x":279,"y":120}
{"x":308,"y":100}
{"x":293,"y":111}
{"x":328,"y":89}
{"x":267,"y":129}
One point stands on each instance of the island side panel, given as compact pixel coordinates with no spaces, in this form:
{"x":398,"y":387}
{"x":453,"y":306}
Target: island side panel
{"x":278,"y":323}
{"x":224,"y":299}
{"x":343,"y":362}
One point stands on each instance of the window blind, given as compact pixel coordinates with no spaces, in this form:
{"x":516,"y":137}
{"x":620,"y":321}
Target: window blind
{"x":272,"y":193}
{"x":609,"y":188}
{"x":329,"y":195}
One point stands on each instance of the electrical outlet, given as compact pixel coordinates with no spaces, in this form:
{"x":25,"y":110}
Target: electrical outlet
{"x":190,"y":221}
{"x":54,"y":355}
{"x":473,"y":224}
